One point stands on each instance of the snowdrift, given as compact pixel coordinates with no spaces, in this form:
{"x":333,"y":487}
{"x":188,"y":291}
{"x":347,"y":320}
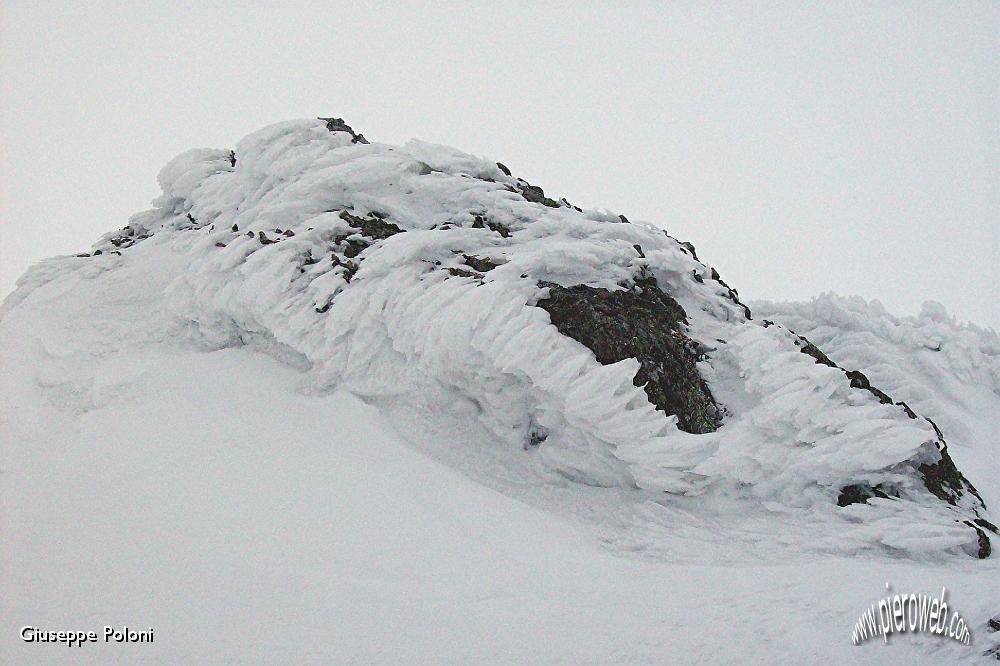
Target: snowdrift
{"x":421,"y":276}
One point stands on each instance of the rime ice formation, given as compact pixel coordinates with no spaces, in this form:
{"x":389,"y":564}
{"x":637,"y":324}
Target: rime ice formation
{"x":604,"y":350}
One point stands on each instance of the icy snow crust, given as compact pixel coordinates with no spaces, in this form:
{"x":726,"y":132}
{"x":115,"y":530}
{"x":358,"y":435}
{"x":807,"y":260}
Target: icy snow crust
{"x":262,"y":242}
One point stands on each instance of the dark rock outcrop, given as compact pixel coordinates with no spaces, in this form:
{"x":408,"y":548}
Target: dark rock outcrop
{"x":535,"y":194}
{"x":644,"y":323}
{"x":370,"y":230}
{"x":338,"y":125}
{"x":860,"y":493}
{"x":481,"y":264}
{"x":374,"y":227}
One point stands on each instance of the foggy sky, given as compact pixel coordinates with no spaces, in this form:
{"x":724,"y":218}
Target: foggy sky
{"x":842,"y":147}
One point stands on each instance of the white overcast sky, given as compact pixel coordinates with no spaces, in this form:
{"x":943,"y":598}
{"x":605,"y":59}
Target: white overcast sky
{"x":802,"y":147}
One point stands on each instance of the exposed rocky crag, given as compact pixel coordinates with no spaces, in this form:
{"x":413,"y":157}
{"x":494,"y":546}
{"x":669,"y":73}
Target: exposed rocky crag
{"x":644,"y":323}
{"x":602,"y":347}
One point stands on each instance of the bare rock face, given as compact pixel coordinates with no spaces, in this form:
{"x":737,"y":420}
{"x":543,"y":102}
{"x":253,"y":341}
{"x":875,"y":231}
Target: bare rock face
{"x":338,"y":125}
{"x":643,"y":323}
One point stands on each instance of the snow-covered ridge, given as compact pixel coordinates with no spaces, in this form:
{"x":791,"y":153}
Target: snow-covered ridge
{"x":401,"y":272}
{"x":945,"y":370}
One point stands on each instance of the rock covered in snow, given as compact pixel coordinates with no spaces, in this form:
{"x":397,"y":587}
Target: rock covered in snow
{"x":605,"y":350}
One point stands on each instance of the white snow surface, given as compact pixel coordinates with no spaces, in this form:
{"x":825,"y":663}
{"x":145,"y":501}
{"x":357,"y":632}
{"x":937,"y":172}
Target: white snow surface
{"x":945,"y":370}
{"x":231,"y":442}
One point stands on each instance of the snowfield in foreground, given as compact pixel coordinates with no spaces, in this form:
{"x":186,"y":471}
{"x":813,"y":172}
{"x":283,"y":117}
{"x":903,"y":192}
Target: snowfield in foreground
{"x":335,"y":446}
{"x":205,"y":495}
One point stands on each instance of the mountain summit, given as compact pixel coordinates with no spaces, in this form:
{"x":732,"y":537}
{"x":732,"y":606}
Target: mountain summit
{"x":584,"y":348}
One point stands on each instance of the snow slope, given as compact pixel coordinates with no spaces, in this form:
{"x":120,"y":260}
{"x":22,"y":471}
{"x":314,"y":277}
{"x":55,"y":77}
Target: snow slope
{"x":206,"y":495}
{"x":223,"y":425}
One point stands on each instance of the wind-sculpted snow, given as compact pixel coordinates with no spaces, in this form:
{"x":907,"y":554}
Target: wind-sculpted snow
{"x":404,"y":272}
{"x":944,"y":370}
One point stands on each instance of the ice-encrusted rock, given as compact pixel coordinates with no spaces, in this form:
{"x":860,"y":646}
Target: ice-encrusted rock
{"x":605,"y":349}
{"x":644,"y":323}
